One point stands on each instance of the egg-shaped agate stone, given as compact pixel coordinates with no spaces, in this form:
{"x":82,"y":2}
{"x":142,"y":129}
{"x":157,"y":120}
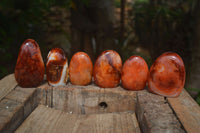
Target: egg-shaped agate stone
{"x":167,"y":75}
{"x":57,"y":67}
{"x":134,"y":73}
{"x":107,"y":69}
{"x":80,"y":69}
{"x":29,"y":69}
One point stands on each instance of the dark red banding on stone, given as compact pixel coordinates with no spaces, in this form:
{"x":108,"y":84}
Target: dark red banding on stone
{"x":167,"y":75}
{"x":29,"y":69}
{"x":107,"y":69}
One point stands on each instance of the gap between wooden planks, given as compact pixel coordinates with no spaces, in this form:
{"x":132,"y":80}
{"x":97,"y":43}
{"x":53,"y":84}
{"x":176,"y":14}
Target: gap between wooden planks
{"x":187,"y":111}
{"x":185,"y":108}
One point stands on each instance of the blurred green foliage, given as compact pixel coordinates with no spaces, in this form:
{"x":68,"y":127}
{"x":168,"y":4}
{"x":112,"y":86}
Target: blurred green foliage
{"x":165,"y":25}
{"x":197,"y":99}
{"x":20,"y":20}
{"x":117,"y":3}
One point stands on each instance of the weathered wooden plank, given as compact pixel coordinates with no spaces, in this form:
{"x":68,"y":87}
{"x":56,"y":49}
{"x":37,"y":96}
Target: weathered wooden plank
{"x":26,"y":96}
{"x":155,"y":115}
{"x":11,"y":115}
{"x":44,"y":94}
{"x":92,"y":99}
{"x":44,"y":120}
{"x":187,"y":110}
{"x":6,"y":85}
{"x":15,"y":107}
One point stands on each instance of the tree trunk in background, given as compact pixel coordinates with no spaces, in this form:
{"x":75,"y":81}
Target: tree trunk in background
{"x":92,"y":21}
{"x":122,"y":13}
{"x":194,"y":75}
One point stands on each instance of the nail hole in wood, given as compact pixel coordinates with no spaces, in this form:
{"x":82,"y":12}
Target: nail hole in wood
{"x":103,"y":105}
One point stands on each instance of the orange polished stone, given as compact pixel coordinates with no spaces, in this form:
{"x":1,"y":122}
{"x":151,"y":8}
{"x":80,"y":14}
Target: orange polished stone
{"x":57,"y":67}
{"x":29,"y":69}
{"x":80,"y":69}
{"x":107,"y":69}
{"x":134,"y":73}
{"x":167,"y":75}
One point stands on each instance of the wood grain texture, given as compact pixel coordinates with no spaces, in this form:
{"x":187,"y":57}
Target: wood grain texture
{"x":155,"y":115}
{"x":92,"y":99}
{"x":6,"y":85}
{"x":11,"y":115}
{"x":44,"y":120}
{"x":44,"y":94}
{"x":187,"y":110}
{"x":26,"y":96}
{"x":15,"y":107}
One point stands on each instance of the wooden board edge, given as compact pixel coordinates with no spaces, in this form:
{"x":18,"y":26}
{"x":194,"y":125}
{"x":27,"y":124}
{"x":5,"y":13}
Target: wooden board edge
{"x":187,"y":111}
{"x":77,"y":122}
{"x":6,"y":85}
{"x":155,"y":115}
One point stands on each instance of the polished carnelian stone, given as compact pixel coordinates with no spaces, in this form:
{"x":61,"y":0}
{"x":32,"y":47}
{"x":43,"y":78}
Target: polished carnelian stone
{"x":107,"y":69}
{"x":80,"y":69}
{"x":134,"y":73}
{"x":167,"y":75}
{"x":57,"y":67}
{"x":29,"y":69}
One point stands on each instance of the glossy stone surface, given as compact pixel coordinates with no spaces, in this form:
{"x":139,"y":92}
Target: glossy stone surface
{"x":167,"y":75}
{"x":134,"y":73}
{"x":107,"y":69}
{"x":57,"y":67}
{"x":80,"y":69}
{"x":29,"y":69}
